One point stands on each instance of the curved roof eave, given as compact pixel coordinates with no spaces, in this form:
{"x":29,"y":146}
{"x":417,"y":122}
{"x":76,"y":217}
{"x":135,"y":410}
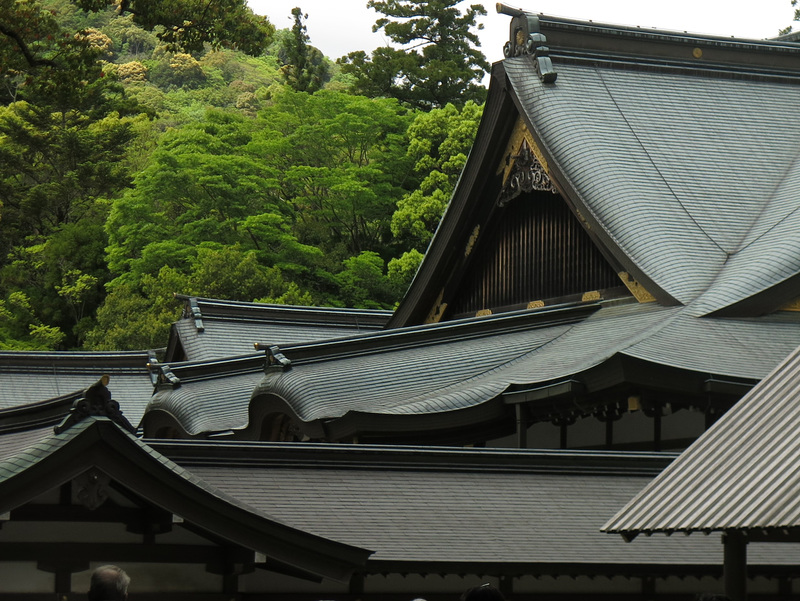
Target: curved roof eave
{"x":98,"y":442}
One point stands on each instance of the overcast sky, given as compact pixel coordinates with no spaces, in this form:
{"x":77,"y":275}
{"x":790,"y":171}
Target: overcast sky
{"x":337,"y":27}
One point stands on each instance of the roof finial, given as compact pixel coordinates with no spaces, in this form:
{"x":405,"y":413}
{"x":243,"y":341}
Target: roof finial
{"x":97,"y":402}
{"x":526,"y":39}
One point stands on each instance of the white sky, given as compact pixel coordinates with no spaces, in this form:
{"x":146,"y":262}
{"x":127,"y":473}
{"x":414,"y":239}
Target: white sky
{"x":337,"y":27}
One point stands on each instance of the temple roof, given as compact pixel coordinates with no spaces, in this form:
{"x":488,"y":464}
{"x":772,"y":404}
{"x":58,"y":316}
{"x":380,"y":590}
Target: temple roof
{"x":677,"y":153}
{"x":447,"y":510}
{"x":213,"y":329}
{"x":99,"y":444}
{"x":457,"y":375}
{"x":39,"y":386}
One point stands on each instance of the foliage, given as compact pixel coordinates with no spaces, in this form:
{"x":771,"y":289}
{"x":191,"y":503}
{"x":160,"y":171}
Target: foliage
{"x":56,"y":170}
{"x":439,"y":142}
{"x":438,"y":62}
{"x":131,"y":169}
{"x":31,"y":37}
{"x":304,"y":67}
{"x":338,"y":158}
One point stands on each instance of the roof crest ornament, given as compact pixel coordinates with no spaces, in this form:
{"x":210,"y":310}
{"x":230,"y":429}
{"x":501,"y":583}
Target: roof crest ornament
{"x":95,"y":402}
{"x":276,"y":360}
{"x":525,"y":38}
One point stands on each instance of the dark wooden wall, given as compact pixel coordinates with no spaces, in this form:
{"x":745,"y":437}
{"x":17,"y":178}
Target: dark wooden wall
{"x":538,"y":250}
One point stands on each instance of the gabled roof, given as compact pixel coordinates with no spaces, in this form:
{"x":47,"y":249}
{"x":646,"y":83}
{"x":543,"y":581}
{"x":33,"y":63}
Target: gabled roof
{"x":677,"y":152}
{"x":38,"y":387}
{"x":212,"y":329}
{"x":740,"y":475}
{"x":101,"y":444}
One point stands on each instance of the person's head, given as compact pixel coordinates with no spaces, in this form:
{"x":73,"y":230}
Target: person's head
{"x":109,"y":583}
{"x":484,"y":592}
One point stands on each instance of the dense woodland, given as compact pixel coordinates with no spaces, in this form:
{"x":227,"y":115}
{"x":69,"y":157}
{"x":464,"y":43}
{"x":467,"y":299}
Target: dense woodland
{"x":185,"y":146}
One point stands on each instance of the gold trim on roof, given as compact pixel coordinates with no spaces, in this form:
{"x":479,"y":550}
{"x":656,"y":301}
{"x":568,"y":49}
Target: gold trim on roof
{"x":793,"y":305}
{"x":537,"y":304}
{"x":639,"y":292}
{"x":483,"y":313}
{"x":472,"y":239}
{"x":594,"y":295}
{"x":437,"y":310}
{"x":518,"y":135}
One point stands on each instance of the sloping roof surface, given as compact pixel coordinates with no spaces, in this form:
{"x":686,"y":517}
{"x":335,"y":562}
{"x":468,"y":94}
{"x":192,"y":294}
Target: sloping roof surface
{"x":398,"y":374}
{"x":694,"y":177}
{"x":209,"y":405}
{"x":213,"y":329}
{"x":741,"y":474}
{"x":440,"y":513}
{"x":456,"y":375}
{"x":98,"y":442}
{"x":30,"y":377}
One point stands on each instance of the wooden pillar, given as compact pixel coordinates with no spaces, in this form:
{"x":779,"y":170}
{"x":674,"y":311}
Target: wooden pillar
{"x":563,"y":437}
{"x":609,"y":432}
{"x":356,"y":587}
{"x":522,"y":426}
{"x":734,"y":569}
{"x":657,"y":429}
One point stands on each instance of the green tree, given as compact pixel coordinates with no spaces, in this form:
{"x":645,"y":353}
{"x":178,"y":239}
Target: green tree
{"x":438,"y":62}
{"x":342,"y":165}
{"x":305,"y":69}
{"x":439,"y":142}
{"x":31,"y":36}
{"x":138,"y":314}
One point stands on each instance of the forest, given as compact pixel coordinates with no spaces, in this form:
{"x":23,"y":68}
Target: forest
{"x":149,"y":148}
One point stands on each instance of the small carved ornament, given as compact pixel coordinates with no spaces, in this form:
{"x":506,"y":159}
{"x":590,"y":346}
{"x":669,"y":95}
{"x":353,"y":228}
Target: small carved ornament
{"x":96,"y":402}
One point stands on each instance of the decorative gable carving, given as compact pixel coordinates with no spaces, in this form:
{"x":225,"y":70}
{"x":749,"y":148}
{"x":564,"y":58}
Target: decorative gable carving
{"x":524,"y":167}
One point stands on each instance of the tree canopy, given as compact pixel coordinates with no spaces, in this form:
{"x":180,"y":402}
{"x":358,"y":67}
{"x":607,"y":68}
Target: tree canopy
{"x":137,"y":163}
{"x":438,"y":62}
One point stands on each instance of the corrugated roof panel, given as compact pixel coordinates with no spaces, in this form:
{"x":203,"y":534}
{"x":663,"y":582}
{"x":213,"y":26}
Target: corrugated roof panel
{"x":741,"y":474}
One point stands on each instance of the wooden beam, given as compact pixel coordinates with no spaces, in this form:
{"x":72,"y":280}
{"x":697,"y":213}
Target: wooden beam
{"x":67,"y":554}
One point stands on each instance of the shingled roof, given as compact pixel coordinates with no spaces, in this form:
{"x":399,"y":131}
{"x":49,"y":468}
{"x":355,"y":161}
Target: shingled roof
{"x":449,"y":511}
{"x":99,"y":444}
{"x":38,"y":387}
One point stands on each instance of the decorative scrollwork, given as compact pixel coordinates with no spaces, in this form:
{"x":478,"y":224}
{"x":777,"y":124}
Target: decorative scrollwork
{"x":527,"y":175}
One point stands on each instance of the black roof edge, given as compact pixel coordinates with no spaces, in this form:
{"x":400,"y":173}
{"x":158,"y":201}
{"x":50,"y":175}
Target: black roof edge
{"x":203,"y":308}
{"x":37,"y":414}
{"x":74,"y":361}
{"x":665,"y":34}
{"x":587,"y":38}
{"x":416,"y":336}
{"x":402,"y":457}
{"x":457,"y":221}
{"x":176,"y":373}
